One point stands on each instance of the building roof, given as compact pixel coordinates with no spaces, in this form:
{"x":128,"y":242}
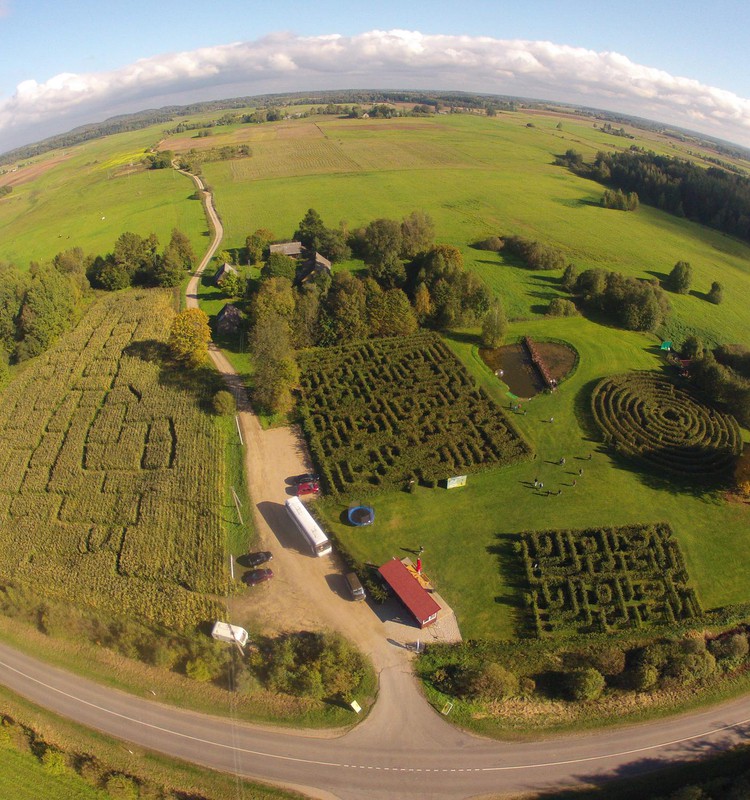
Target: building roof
{"x":418,"y":600}
{"x":292,"y":249}
{"x":229,"y":311}
{"x":224,"y":269}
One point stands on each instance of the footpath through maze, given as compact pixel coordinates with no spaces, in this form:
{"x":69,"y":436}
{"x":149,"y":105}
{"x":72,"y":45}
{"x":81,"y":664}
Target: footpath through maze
{"x":111,"y":478}
{"x":381,"y":413}
{"x":604,"y":579}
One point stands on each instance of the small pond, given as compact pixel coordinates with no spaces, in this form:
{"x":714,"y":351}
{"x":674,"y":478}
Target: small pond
{"x":520,"y":374}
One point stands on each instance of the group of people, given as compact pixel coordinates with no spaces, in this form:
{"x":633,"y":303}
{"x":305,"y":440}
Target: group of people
{"x":539,"y":485}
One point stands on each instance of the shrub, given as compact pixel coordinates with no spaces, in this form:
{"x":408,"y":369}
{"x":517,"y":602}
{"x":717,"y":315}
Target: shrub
{"x":560,"y":307}
{"x":494,"y":244}
{"x":121,"y":787}
{"x":686,"y":668}
{"x":54,"y":761}
{"x":733,"y":647}
{"x":716,"y":294}
{"x":644,"y":676}
{"x":198,"y":670}
{"x":494,"y":682}
{"x":679,"y":278}
{"x":224,"y":403}
{"x":584,"y":684}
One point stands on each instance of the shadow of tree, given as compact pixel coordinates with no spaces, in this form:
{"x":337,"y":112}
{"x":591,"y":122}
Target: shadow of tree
{"x":512,"y":570}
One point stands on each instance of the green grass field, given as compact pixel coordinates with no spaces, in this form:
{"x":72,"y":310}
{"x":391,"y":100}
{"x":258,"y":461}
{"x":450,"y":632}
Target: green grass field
{"x":86,"y":196}
{"x":476,"y":177}
{"x":23,"y":777}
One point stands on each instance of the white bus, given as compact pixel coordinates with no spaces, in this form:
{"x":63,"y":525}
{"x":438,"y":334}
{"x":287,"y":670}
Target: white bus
{"x":308,"y":527}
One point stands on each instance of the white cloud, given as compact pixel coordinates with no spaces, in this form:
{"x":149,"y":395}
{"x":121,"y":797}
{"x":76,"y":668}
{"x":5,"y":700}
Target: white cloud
{"x":392,"y":59}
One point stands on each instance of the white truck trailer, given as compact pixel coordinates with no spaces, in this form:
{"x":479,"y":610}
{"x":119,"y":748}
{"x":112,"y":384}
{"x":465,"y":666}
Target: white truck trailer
{"x":225,"y":632}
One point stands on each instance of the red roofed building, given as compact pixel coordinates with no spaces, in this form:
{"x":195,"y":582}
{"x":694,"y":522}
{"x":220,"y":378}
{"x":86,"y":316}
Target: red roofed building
{"x":418,"y":600}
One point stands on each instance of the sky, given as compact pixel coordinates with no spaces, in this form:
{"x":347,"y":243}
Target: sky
{"x":69,"y":62}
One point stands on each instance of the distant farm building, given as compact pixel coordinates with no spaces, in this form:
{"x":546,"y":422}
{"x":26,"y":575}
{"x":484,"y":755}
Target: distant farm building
{"x":410,"y":592}
{"x":221,"y":273}
{"x":229,"y":319}
{"x":292,"y":249}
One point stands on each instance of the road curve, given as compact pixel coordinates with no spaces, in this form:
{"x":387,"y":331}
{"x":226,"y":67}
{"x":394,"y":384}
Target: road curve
{"x":403,"y":750}
{"x":391,"y":755}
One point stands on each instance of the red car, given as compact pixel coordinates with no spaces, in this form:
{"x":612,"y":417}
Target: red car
{"x":311,"y":487}
{"x":256,"y":576}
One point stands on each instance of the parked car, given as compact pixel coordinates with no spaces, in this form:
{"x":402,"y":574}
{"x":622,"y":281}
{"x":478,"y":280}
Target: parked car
{"x":306,"y":477}
{"x":256,"y":576}
{"x":311,"y":487}
{"x":256,"y":559}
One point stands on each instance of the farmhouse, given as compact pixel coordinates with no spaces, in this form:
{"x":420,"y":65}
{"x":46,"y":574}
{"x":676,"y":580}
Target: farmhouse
{"x":291,"y":249}
{"x":312,"y":266}
{"x":229,"y":319}
{"x":409,"y":591}
{"x":224,"y":270}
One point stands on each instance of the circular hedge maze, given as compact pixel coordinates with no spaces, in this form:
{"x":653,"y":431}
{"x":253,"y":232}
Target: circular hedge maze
{"x":647,"y":416}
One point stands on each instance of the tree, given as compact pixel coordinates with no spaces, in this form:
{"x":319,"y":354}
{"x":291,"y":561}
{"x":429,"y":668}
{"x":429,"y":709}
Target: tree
{"x":169,"y":269}
{"x":274,"y":297}
{"x":46,"y":311}
{"x":417,"y":234}
{"x":422,"y":303}
{"x":224,"y":403}
{"x":276,"y":371}
{"x":346,"y":306}
{"x":391,"y":314}
{"x":136,"y":255}
{"x":189,"y":335}
{"x":256,"y":245}
{"x":494,"y":682}
{"x":279,"y":266}
{"x":311,"y":230}
{"x":106,"y":273}
{"x":382,"y":241}
{"x":679,"y":278}
{"x":692,"y":347}
{"x":389,"y":272}
{"x":569,"y":278}
{"x":716,"y":294}
{"x":183,"y":248}
{"x":305,"y":327}
{"x":494,"y":326}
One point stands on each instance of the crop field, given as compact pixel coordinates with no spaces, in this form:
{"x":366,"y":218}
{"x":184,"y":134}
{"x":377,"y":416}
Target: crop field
{"x":605,"y":579}
{"x":111,"y":476}
{"x":86,"y":196}
{"x":648,"y":416}
{"x":379,"y":414}
{"x":478,"y":177}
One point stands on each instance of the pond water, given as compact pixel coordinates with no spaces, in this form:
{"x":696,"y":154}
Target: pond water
{"x":520,"y":374}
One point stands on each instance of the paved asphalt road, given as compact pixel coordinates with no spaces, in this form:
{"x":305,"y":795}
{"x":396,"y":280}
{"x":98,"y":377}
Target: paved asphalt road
{"x":403,"y":750}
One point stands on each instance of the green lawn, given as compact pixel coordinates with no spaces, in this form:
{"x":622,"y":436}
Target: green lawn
{"x":23,"y":777}
{"x":461,"y":528}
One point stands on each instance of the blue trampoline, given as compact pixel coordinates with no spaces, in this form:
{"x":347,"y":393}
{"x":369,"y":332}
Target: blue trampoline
{"x":360,"y":515}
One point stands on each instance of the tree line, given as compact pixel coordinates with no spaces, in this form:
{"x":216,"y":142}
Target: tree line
{"x":37,"y":306}
{"x":409,"y":282}
{"x":714,"y":197}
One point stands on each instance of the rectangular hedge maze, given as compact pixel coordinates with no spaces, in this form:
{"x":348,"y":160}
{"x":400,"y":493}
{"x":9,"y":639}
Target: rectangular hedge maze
{"x":604,"y":579}
{"x":380,"y":413}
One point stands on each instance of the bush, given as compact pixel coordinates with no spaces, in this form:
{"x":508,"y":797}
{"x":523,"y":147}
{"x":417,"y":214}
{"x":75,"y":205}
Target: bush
{"x":733,"y":647}
{"x":643,"y":677}
{"x":54,"y":762}
{"x":224,"y":403}
{"x":560,"y":307}
{"x":121,"y":787}
{"x":494,"y":244}
{"x":584,"y":684}
{"x":494,"y":682}
{"x":198,"y":670}
{"x":716,"y":294}
{"x":686,"y":668}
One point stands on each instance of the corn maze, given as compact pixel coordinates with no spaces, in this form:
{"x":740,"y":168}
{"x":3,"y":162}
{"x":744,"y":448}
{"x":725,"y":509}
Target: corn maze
{"x":645,"y":415}
{"x":381,"y":413}
{"x":605,"y":579}
{"x":111,"y":479}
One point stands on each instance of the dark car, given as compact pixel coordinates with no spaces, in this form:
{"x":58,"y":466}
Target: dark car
{"x":256,"y":576}
{"x":306,"y":477}
{"x":312,"y":487}
{"x":256,"y":559}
